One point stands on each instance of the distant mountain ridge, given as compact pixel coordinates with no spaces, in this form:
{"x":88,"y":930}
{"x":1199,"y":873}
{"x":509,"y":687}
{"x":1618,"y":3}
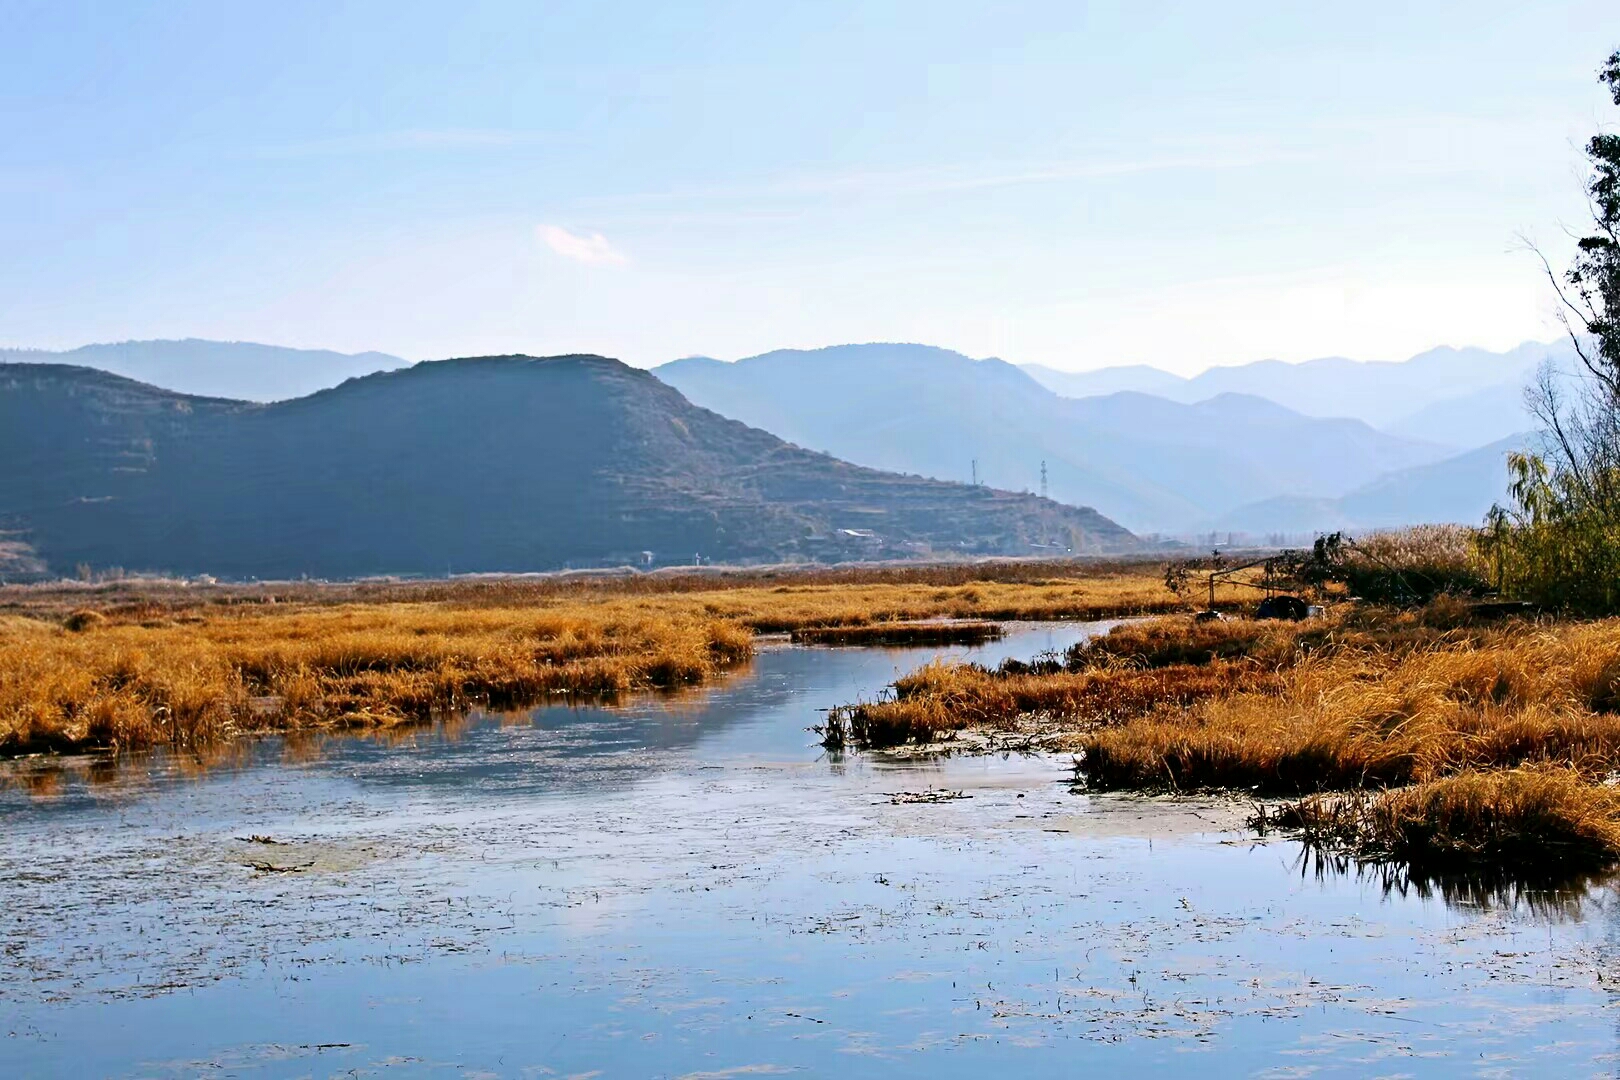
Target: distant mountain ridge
{"x":1150,"y":449}
{"x":1427,"y":397}
{"x":482,"y":464}
{"x":1393,"y":396}
{"x":1145,"y":461}
{"x":1100,"y":382}
{"x":240,"y":370}
{"x":1493,"y":413}
{"x":1458,"y":490}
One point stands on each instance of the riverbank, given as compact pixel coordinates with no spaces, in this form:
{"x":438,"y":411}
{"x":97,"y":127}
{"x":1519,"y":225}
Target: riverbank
{"x":691,"y":885}
{"x":132,"y":664}
{"x":1459,"y":734}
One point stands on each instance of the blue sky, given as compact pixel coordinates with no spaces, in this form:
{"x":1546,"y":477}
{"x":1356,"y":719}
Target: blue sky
{"x":1071,"y":184}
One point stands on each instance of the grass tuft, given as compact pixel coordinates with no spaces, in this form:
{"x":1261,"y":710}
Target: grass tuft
{"x":1511,"y":819}
{"x":83,"y":619}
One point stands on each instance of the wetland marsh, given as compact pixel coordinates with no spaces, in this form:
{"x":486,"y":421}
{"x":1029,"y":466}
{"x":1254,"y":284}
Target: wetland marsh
{"x":689,"y":885}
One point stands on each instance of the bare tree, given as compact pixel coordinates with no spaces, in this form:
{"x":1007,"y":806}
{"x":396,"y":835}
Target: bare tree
{"x":1581,"y":417}
{"x":1562,"y":533}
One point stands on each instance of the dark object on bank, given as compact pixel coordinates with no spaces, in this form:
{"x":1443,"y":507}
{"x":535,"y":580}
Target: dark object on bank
{"x":899,"y":633}
{"x":1287,"y":607}
{"x":1501,"y":609}
{"x":82,"y":620}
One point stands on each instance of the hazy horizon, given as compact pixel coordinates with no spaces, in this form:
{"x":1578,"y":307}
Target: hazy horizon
{"x":1075,"y":188}
{"x":1185,"y":371}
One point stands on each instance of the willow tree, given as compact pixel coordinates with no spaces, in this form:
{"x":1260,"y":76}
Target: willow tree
{"x":1559,"y":540}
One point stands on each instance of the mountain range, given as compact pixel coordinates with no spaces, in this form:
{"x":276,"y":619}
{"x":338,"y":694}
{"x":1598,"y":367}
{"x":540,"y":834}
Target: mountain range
{"x":1260,"y":448}
{"x":485,"y":464}
{"x":1459,"y":489}
{"x":1458,"y":397}
{"x":1146,"y":461}
{"x":1428,"y":396}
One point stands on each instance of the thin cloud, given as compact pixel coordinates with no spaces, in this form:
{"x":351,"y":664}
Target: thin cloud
{"x":592,"y":249}
{"x":951,"y":178}
{"x":391,"y":141}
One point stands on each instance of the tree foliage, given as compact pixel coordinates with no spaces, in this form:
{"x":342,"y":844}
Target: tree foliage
{"x":1558,"y":542}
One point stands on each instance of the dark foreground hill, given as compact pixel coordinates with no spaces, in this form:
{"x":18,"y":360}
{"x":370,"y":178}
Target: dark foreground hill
{"x":491,"y":464}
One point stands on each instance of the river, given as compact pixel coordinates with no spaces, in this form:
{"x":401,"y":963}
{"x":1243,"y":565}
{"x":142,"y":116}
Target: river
{"x":690,"y":886}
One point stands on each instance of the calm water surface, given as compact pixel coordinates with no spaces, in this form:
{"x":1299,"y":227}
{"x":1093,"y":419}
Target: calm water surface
{"x":691,"y":887}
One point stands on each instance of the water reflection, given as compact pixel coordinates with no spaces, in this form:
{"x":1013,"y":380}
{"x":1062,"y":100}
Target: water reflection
{"x":1564,"y":897}
{"x":52,"y":778}
{"x":688,"y":886}
{"x":763,"y":709}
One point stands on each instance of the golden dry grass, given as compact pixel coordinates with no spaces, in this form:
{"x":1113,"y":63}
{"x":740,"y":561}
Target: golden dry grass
{"x":1368,"y":697}
{"x":834,"y":595}
{"x":123,"y":684}
{"x":1470,"y":735}
{"x":133,"y":665}
{"x":1507,"y":819}
{"x":1353,"y":711}
{"x":936,"y":700}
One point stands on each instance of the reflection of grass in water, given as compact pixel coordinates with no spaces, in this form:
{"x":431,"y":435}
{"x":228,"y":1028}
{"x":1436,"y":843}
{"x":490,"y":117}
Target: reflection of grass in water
{"x":1542,"y":819}
{"x":49,"y":777}
{"x":1556,"y":896}
{"x":40,"y":783}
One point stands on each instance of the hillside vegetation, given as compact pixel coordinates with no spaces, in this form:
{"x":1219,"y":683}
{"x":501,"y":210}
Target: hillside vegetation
{"x":492,"y":464}
{"x":1145,"y":461}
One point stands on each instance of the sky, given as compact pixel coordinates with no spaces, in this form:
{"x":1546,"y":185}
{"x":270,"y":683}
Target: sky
{"x":1072,"y":184}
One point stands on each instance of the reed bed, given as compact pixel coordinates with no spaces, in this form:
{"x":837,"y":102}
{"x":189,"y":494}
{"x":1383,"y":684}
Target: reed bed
{"x":1462,"y":737}
{"x":1532,"y":818}
{"x":112,"y":683}
{"x":1366,"y":697}
{"x":787,"y":605}
{"x":1106,"y":585}
{"x":931,"y":703}
{"x":129,"y":665}
{"x":1357,"y":713}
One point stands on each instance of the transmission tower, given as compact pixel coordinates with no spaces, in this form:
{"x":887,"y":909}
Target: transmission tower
{"x":1043,"y":479}
{"x":975,"y":472}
